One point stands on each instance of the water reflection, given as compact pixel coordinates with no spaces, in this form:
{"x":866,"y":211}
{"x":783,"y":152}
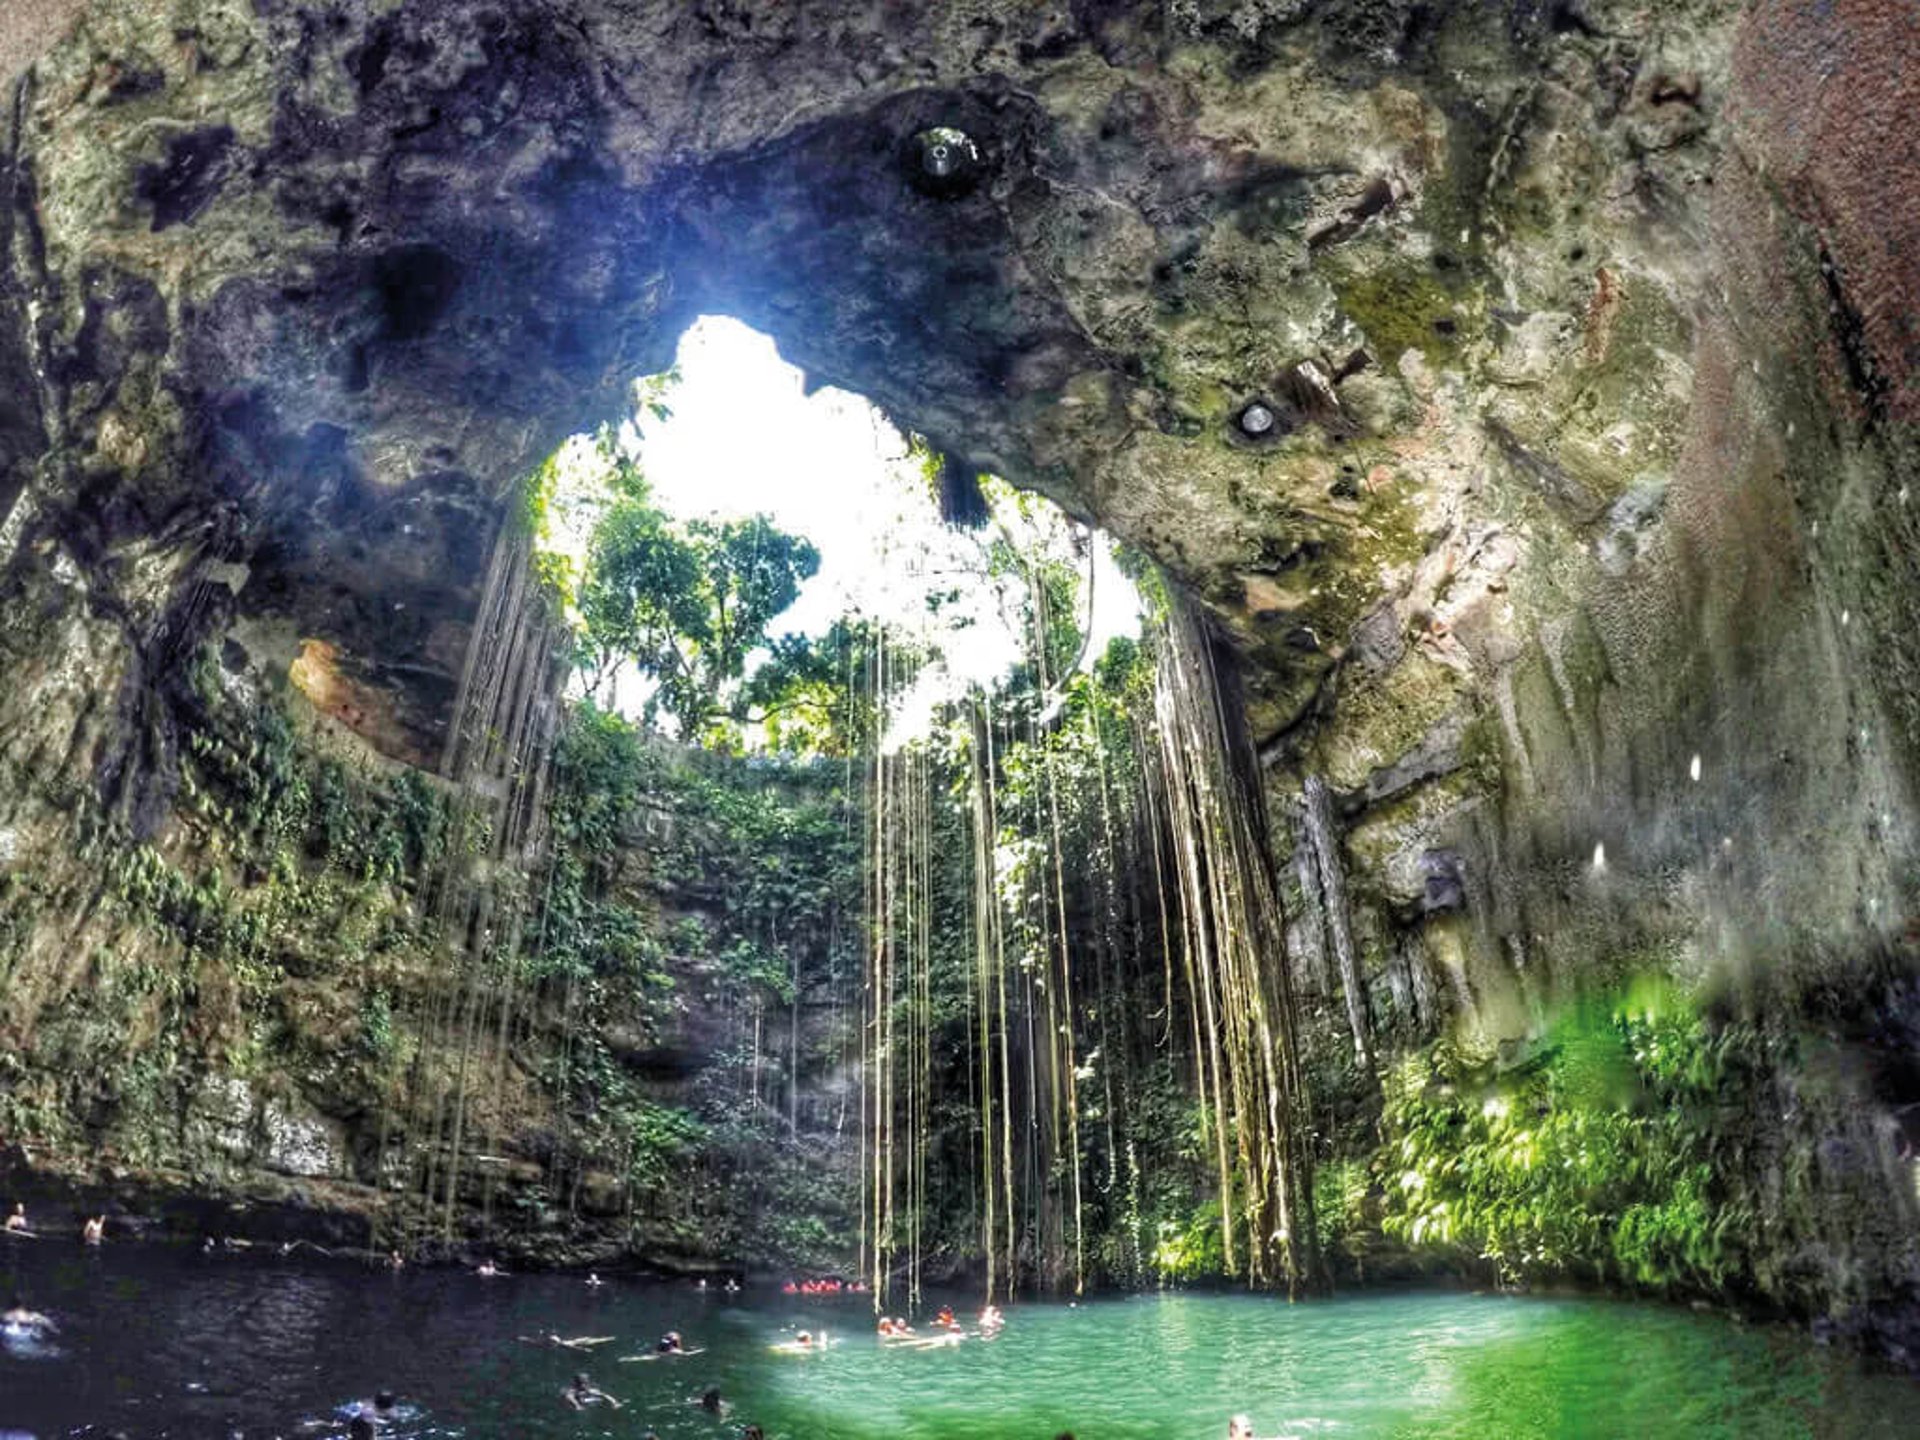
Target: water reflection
{"x":171,"y":1345}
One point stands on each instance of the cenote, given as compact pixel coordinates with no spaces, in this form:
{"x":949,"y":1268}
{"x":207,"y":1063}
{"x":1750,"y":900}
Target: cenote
{"x":1241,"y":675}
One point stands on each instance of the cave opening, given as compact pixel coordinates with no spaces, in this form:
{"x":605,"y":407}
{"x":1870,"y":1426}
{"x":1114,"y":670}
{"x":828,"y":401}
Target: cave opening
{"x":983,"y":743}
{"x":852,"y":522}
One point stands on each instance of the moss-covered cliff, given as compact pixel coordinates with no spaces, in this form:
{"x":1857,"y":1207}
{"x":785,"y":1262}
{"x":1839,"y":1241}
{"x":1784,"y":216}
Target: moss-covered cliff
{"x":261,"y":1006}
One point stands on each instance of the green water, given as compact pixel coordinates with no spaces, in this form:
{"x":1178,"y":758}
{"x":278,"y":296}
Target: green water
{"x":1430,"y":1366}
{"x":167,"y":1344}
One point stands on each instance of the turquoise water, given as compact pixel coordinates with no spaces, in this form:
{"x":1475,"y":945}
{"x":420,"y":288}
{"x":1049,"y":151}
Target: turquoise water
{"x":162,"y":1343}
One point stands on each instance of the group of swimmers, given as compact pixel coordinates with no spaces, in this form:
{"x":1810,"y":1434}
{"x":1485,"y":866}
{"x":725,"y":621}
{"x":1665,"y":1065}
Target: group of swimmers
{"x":581,"y":1393}
{"x":92,"y":1231}
{"x":946,"y":1326}
{"x":827,"y":1286}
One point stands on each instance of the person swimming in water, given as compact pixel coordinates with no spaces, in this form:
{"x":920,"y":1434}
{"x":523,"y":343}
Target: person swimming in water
{"x":670,"y":1344}
{"x":487,"y":1270}
{"x":94,"y":1231}
{"x":1240,"y":1427}
{"x":583,"y":1392}
{"x":804,"y":1342}
{"x":709,"y":1400}
{"x":18,"y":1317}
{"x":361,"y":1428}
{"x":594,"y":1282}
{"x":17,"y":1220}
{"x":385,"y":1407}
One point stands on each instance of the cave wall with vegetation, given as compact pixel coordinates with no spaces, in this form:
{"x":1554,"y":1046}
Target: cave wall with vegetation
{"x":1576,"y":562}
{"x":248,"y":1024}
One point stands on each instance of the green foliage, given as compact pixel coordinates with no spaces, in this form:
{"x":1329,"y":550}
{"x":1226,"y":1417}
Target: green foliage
{"x":1193,"y":1250}
{"x":250,"y":938}
{"x":740,"y":871}
{"x":1341,"y":1193}
{"x":686,"y":605}
{"x":1603,"y":1157}
{"x":811,"y":694}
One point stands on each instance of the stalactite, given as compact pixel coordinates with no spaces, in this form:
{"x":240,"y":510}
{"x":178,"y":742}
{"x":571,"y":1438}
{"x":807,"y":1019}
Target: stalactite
{"x":1313,"y":933}
{"x":1317,"y":806}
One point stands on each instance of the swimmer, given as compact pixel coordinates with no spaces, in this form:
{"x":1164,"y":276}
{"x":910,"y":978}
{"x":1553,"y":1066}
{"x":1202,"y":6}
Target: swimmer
{"x":17,"y":1220}
{"x":668,"y":1347}
{"x":709,"y":1400}
{"x":94,"y":1231}
{"x":594,"y":1282}
{"x":945,"y":1318}
{"x":991,"y":1319}
{"x":733,"y":1286}
{"x":561,"y":1342}
{"x":487,"y":1270}
{"x":582,"y":1393}
{"x":18,"y":1317}
{"x":383,"y":1409}
{"x":360,"y":1428}
{"x":395,"y":1260}
{"x":753,"y":1432}
{"x":1240,"y":1427}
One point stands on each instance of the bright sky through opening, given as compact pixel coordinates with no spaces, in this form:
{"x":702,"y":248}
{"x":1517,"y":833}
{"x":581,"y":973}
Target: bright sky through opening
{"x":744,"y":439}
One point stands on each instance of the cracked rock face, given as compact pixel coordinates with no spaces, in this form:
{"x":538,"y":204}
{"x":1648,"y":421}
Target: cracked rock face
{"x":1526,"y":389}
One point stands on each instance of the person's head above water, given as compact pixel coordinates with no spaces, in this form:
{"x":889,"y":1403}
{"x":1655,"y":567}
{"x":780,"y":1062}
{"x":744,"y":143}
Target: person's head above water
{"x":710,"y":1398}
{"x":384,"y":1399}
{"x":360,"y":1428}
{"x":1240,"y":1427}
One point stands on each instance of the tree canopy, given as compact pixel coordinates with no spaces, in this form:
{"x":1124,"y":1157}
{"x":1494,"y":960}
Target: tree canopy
{"x":684,"y":604}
